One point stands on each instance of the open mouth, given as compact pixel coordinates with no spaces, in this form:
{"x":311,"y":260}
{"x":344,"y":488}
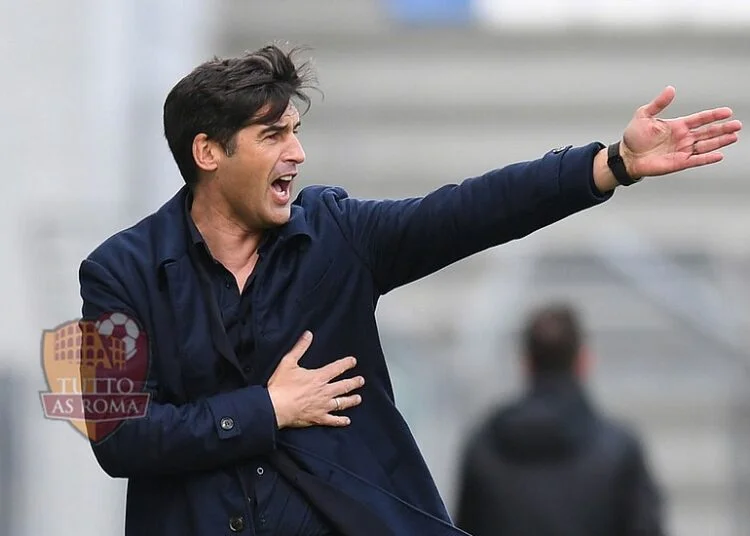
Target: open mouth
{"x":282,"y":189}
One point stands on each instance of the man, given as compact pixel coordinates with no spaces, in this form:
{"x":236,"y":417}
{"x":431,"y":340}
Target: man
{"x":547,"y":464}
{"x":253,"y":427}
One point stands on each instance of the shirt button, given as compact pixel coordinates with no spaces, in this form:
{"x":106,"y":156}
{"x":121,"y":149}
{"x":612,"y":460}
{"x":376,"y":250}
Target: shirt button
{"x":260,"y":471}
{"x":227,"y":423}
{"x":247,"y":370}
{"x":237,"y":524}
{"x":227,"y":284}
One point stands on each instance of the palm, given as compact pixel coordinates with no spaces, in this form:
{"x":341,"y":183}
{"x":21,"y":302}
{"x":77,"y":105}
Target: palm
{"x":658,"y":146}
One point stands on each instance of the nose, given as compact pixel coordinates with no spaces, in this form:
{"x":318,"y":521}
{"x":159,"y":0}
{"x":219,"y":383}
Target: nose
{"x":295,"y":153}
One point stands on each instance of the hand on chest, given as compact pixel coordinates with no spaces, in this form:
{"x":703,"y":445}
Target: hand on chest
{"x":226,"y":338}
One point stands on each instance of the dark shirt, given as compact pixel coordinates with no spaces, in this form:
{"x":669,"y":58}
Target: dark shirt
{"x":278,"y":508}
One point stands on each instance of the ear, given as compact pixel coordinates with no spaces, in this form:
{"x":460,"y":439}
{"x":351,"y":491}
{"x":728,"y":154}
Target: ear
{"x":584,"y":363}
{"x":206,"y":153}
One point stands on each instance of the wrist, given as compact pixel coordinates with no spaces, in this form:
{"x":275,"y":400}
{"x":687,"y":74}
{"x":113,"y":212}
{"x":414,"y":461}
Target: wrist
{"x":620,"y":163}
{"x":628,"y":160}
{"x":276,"y":407}
{"x":604,"y":179}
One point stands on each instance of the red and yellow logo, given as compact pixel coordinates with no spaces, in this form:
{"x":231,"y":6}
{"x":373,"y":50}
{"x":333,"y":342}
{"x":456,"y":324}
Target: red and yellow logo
{"x":96,"y":373}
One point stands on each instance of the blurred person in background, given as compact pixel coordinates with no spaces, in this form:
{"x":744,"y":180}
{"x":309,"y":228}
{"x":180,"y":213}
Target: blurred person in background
{"x":256,"y":306}
{"x":549,"y":464}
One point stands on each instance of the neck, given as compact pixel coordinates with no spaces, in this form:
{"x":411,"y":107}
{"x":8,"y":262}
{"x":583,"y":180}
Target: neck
{"x":230,"y":241}
{"x":556,"y":378}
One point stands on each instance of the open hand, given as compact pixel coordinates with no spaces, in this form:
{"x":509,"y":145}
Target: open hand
{"x":305,"y":397}
{"x":653,"y":146}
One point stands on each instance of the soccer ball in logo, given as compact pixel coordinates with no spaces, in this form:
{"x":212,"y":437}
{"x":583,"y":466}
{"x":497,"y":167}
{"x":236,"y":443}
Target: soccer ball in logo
{"x":123,"y":327}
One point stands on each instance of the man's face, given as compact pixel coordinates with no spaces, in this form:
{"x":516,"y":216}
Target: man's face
{"x":256,"y":180}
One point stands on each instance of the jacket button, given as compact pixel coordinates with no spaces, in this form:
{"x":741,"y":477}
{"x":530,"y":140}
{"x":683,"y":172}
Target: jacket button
{"x":227,"y":423}
{"x":237,"y":524}
{"x":559,"y":150}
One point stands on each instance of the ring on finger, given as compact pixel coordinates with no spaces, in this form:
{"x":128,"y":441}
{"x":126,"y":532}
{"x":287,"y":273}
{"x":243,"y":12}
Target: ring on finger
{"x":338,"y":405}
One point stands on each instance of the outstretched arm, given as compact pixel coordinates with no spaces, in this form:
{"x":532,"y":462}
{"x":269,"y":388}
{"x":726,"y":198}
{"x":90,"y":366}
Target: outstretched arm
{"x":401,"y":241}
{"x":404,"y":240}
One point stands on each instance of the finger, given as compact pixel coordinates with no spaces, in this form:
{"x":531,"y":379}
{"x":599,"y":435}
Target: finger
{"x":704,"y":160}
{"x":337,"y":368}
{"x":348,"y":385}
{"x":300,"y":347}
{"x":708,"y":146}
{"x":334,"y":420}
{"x":656,"y":106}
{"x":713,"y":131}
{"x":341,"y":403}
{"x":705,"y":117}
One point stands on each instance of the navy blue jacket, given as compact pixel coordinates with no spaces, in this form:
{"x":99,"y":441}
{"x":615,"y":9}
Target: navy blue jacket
{"x":325,"y":271}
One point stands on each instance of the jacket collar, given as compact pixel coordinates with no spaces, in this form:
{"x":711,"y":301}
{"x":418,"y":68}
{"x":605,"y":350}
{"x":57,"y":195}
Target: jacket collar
{"x":174,"y":235}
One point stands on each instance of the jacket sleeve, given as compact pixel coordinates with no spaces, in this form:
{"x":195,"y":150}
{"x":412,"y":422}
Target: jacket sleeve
{"x":170,"y":439}
{"x":643,"y":508}
{"x":404,"y":240}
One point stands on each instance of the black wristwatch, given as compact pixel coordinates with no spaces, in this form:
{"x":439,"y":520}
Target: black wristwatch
{"x":616,"y":164}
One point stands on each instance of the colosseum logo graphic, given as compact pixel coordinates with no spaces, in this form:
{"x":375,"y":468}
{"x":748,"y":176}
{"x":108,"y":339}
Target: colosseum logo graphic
{"x":96,"y":373}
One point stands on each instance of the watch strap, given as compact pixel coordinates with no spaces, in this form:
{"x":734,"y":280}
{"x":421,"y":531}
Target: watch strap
{"x":617,"y":165}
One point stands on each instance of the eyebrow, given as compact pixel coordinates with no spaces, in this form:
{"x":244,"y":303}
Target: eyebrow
{"x":277,"y":128}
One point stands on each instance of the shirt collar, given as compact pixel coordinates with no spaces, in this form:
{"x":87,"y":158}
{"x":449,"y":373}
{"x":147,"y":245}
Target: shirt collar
{"x":296,"y":226}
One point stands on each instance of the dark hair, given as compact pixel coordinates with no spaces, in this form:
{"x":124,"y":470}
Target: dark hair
{"x":552,"y":339}
{"x":222,"y":96}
